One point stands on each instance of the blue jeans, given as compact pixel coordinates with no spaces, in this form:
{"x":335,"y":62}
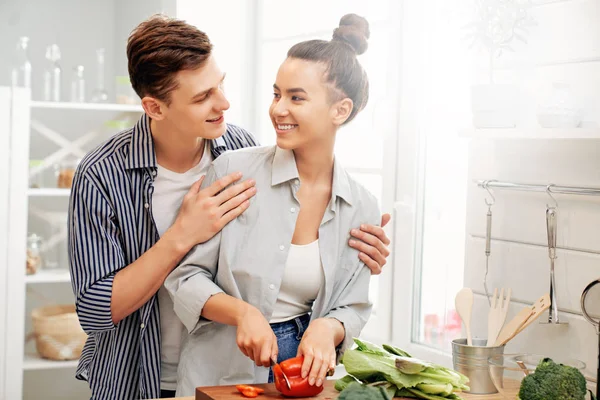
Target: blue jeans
{"x":289,"y":334}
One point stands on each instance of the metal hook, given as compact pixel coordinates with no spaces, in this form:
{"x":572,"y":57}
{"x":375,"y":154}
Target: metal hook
{"x":550,"y":195}
{"x":486,"y":187}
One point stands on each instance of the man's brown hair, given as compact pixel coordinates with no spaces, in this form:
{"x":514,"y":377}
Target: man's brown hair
{"x":158,"y":49}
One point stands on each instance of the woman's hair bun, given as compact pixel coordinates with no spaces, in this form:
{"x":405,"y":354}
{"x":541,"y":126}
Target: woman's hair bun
{"x":353,"y":30}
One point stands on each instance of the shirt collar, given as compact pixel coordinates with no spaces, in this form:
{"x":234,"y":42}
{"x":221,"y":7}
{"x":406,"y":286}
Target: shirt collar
{"x":141,"y":152}
{"x":284,"y":170}
{"x":218,"y":146}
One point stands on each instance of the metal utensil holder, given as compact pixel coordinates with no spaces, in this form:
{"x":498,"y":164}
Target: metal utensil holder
{"x":472,"y":361}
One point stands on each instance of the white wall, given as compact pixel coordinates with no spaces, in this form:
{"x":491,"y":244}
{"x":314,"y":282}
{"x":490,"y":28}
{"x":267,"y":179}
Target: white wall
{"x":565,"y":46}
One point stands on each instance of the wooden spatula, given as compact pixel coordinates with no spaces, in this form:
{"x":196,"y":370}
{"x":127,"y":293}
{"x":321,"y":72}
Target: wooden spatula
{"x":523,"y":319}
{"x":513,"y":326}
{"x":464,"y":306}
{"x":538,"y":308}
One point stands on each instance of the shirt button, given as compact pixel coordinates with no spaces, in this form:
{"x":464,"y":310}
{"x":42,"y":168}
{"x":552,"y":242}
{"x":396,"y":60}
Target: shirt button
{"x":147,"y":205}
{"x":297,"y":182}
{"x":154,"y":173}
{"x":282,"y":247}
{"x":142,"y":326}
{"x":293,"y":209}
{"x":272,"y":287}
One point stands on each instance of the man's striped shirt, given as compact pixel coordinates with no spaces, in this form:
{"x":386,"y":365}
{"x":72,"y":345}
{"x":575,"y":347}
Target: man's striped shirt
{"x":111,"y":226}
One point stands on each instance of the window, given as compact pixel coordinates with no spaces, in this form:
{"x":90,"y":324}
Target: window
{"x":433,"y":182}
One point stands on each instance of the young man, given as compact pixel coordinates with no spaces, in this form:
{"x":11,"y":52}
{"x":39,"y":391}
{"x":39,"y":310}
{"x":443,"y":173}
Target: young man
{"x":136,"y":210}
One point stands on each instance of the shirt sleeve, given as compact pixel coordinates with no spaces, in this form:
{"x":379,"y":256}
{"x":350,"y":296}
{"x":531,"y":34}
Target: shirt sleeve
{"x":352,"y":306}
{"x":95,"y":254}
{"x":192,"y":282}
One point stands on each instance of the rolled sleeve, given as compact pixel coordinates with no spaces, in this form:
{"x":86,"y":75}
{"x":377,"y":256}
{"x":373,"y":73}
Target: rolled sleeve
{"x":95,"y":255}
{"x":192,"y":283}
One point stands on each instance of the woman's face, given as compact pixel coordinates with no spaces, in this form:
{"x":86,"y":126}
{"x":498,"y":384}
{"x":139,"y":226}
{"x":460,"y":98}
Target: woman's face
{"x":301,"y":111}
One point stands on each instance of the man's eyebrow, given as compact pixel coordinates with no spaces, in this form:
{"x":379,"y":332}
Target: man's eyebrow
{"x":205,"y":92}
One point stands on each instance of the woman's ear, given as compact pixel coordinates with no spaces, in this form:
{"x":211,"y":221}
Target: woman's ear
{"x":153,"y":108}
{"x":342,"y":110}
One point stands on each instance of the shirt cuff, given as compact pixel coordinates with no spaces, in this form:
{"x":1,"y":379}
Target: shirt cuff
{"x":190,"y":300}
{"x":352,"y":327}
{"x":93,"y":308}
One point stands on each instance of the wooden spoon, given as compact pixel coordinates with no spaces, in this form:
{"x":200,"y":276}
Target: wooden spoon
{"x":464,"y":307}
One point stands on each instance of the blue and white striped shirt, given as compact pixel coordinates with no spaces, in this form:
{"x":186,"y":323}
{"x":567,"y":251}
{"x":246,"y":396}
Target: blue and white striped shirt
{"x":111,"y":226}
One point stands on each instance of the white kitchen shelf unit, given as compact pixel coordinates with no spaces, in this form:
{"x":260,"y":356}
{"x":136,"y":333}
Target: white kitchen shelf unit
{"x":49,"y":276}
{"x":18,"y":203}
{"x":48,"y":192}
{"x":32,"y":362}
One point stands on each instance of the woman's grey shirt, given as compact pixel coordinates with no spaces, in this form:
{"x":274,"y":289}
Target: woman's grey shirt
{"x":247,"y":259}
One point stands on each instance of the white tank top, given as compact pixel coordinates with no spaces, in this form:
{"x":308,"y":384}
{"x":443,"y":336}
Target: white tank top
{"x":302,"y":280}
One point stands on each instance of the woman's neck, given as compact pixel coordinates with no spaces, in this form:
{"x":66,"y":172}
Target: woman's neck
{"x":315,"y":165}
{"x":175,"y":151}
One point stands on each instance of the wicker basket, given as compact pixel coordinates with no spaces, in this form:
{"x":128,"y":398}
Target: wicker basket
{"x":58,"y":335}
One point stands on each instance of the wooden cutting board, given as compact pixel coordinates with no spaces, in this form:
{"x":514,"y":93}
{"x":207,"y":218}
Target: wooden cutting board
{"x":231,"y":393}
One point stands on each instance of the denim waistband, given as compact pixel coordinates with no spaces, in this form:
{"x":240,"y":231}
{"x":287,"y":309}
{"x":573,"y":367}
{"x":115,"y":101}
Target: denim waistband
{"x":297,"y":325}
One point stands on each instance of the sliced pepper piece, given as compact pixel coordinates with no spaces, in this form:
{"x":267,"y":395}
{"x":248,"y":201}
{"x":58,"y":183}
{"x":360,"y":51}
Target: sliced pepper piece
{"x":257,"y":389}
{"x":249,"y":392}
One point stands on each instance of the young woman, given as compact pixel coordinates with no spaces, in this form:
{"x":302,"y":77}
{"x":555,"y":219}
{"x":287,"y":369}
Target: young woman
{"x":281,"y":280}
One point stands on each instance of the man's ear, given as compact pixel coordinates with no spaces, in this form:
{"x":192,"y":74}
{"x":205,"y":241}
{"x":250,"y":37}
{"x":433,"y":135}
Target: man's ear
{"x":154,"y":108}
{"x":341,"y":111}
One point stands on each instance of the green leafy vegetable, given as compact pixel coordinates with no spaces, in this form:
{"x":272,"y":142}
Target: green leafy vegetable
{"x":393,"y":368}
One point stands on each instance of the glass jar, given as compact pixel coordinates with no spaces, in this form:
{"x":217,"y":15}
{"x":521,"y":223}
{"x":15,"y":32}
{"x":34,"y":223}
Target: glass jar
{"x":35,"y":180}
{"x":78,"y":85}
{"x":55,"y":246}
{"x":52,"y":74}
{"x":34,"y":254}
{"x":99,"y":95}
{"x":21,"y":71}
{"x":65,"y":172}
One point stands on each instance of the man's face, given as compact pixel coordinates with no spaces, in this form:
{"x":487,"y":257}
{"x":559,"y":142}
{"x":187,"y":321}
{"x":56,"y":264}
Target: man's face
{"x":198,"y":105}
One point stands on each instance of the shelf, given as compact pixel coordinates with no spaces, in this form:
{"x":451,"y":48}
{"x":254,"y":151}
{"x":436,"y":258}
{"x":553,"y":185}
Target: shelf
{"x":87,"y":106}
{"x":32,"y":362}
{"x":49,"y":276}
{"x":48,"y":192}
{"x":532,"y":133}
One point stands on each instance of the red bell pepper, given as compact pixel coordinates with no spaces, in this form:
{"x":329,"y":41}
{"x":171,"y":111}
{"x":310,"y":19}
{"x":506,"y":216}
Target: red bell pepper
{"x":299,"y":386}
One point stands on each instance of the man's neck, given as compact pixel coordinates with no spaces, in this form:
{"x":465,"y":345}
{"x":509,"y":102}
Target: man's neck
{"x":174,"y":151}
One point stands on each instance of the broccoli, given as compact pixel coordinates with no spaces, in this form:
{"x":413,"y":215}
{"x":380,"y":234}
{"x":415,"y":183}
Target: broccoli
{"x":553,"y":381}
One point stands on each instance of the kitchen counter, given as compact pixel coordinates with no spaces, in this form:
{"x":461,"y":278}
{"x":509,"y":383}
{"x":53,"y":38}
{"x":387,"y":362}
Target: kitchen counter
{"x":465,"y":396}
